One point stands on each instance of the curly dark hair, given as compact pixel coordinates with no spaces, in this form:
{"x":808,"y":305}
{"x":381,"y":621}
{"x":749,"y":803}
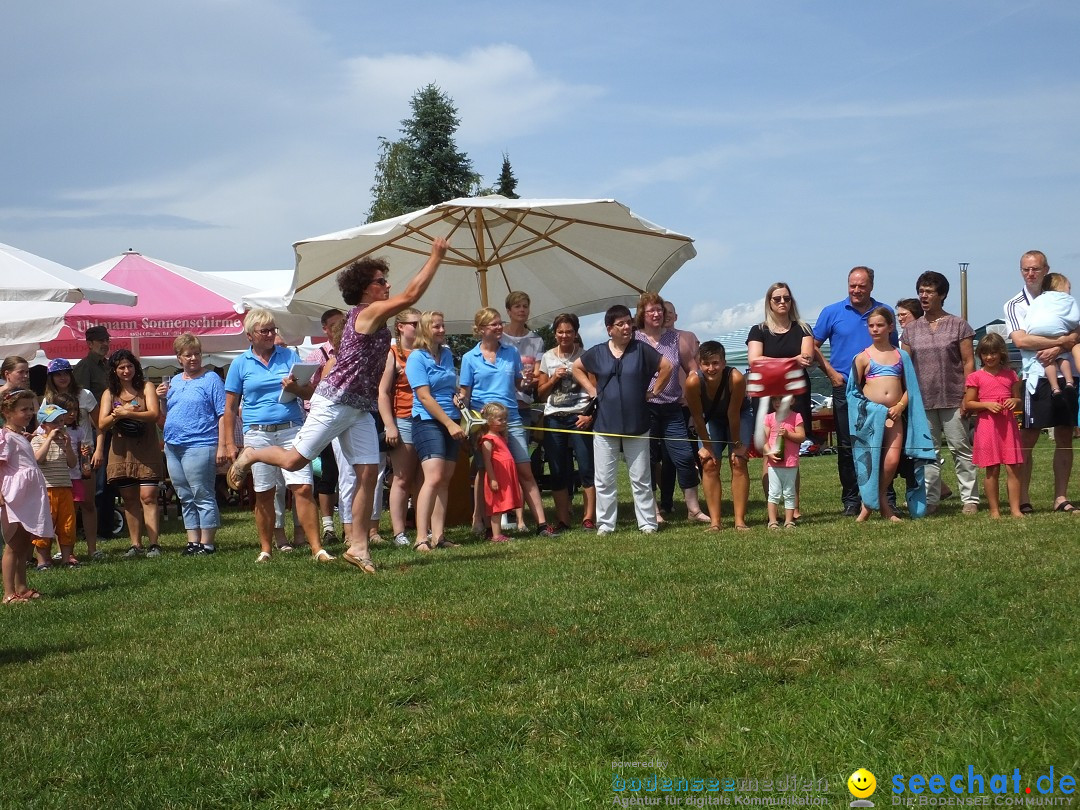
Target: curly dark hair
{"x":354,"y":279}
{"x":115,"y":359}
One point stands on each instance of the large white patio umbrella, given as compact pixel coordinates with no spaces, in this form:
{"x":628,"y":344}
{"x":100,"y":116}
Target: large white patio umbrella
{"x":577,"y":256}
{"x":36,"y":294}
{"x":26,"y":277}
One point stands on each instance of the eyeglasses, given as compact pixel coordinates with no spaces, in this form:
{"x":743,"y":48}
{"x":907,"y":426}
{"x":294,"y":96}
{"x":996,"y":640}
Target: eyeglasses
{"x":267,"y":331}
{"x":781,"y":299}
{"x":382,"y":282}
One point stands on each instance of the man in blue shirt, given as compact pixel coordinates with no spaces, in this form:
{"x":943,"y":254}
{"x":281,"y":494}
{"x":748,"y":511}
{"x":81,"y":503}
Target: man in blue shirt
{"x":843,"y":324}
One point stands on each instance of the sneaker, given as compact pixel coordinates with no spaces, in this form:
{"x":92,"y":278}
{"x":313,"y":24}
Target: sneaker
{"x":191,"y":548}
{"x":970,"y":509}
{"x":205,"y":549}
{"x":98,"y":555}
{"x":603,"y":530}
{"x":154,"y":551}
{"x":133,"y":552}
{"x":648,"y":530}
{"x":329,"y":538}
{"x":285,"y":548}
{"x":852,"y":510}
{"x":589,"y":525}
{"x":563,"y":527}
{"x":401,"y":539}
{"x":544,"y":530}
{"x":58,"y":556}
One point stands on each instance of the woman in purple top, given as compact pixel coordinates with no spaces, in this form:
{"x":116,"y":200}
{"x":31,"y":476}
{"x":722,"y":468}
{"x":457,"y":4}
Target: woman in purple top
{"x":669,"y":423}
{"x":345,"y":399}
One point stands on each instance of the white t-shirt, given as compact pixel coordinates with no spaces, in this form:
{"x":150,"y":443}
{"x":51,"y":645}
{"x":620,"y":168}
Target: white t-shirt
{"x":567,"y":396}
{"x":528,"y":345}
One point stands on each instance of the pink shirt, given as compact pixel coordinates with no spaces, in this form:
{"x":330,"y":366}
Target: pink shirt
{"x":790,"y":457}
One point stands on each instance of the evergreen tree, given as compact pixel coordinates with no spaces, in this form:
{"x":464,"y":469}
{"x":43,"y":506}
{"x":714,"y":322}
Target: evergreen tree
{"x":507,"y":184}
{"x":424,"y":167}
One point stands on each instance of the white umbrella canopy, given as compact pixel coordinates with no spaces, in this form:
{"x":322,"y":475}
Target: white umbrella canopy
{"x":579,"y":256}
{"x":27,"y":277}
{"x":26,"y":324}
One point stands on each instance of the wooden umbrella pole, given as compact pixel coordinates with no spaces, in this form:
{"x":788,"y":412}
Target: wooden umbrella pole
{"x":481,"y":259}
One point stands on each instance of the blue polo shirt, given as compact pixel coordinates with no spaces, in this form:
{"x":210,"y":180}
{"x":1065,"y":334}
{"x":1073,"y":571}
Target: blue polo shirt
{"x":259,"y":387}
{"x":846,"y":331}
{"x":492,"y":382}
{"x":440,"y":378}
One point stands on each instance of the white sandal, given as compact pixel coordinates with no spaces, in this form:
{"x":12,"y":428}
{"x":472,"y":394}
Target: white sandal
{"x":264,"y":557}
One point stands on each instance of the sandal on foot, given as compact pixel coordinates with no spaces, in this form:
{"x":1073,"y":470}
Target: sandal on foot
{"x":698,"y":515}
{"x":238,"y":471}
{"x":264,"y":557}
{"x":774,"y":525}
{"x":375,"y":539}
{"x":741,"y":527}
{"x":790,"y":525}
{"x":15,"y":599}
{"x":30,"y":593}
{"x":1064,"y":506}
{"x":444,"y":543}
{"x":501,"y":538}
{"x":715,"y":528}
{"x":423,"y":547}
{"x":363,"y":563}
{"x":322,"y":555}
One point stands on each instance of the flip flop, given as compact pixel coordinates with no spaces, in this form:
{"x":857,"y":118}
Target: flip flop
{"x":363,"y":563}
{"x":238,"y":472}
{"x":1027,"y":508}
{"x":1064,"y":506}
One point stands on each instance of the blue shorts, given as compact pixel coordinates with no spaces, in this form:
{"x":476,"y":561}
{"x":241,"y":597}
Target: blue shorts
{"x":518,"y":442}
{"x":404,"y":428}
{"x":432,"y":440}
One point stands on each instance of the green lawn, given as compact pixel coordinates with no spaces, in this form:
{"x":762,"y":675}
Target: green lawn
{"x":514,"y":676}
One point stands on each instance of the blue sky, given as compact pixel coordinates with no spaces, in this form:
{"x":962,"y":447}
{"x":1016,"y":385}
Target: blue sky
{"x":792,"y":140}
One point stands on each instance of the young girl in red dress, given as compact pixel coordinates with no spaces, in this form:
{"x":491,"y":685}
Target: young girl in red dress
{"x":502,"y":491}
{"x":993,"y":392}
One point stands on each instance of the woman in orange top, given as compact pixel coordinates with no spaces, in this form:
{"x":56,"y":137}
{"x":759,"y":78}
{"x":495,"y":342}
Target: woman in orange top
{"x":395,"y":408}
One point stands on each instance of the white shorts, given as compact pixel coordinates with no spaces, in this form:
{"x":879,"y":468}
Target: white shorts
{"x":267,"y":476}
{"x":327,"y":421}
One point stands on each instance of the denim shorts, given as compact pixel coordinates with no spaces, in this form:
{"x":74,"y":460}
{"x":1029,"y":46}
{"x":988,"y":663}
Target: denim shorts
{"x":404,"y":428}
{"x":432,"y":440}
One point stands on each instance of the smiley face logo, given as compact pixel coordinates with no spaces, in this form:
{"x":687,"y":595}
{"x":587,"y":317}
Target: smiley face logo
{"x":862,"y":784}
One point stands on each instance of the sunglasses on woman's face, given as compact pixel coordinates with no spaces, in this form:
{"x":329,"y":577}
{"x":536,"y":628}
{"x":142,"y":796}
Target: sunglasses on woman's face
{"x":781,"y":299}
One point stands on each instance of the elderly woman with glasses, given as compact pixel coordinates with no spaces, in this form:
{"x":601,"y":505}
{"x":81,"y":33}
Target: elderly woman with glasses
{"x":784,"y":334}
{"x":256,"y":379}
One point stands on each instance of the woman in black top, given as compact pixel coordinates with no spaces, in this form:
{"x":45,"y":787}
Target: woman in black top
{"x":784,"y":334}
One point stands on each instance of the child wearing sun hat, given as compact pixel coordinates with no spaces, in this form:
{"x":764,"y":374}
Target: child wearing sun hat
{"x":56,"y":458}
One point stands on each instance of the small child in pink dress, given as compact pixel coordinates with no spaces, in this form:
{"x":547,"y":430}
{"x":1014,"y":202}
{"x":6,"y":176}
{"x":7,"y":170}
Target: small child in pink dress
{"x":502,"y":491}
{"x":993,"y":393}
{"x":781,"y":453}
{"x":24,"y":504}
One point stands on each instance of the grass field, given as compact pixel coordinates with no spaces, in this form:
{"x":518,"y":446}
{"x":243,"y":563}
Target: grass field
{"x":515,"y":676}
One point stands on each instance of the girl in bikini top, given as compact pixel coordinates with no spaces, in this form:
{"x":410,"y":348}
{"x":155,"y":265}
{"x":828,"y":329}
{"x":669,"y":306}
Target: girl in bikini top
{"x":876,"y":369}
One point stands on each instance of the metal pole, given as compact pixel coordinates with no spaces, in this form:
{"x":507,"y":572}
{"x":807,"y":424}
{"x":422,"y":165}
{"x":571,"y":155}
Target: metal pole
{"x":963,"y":290}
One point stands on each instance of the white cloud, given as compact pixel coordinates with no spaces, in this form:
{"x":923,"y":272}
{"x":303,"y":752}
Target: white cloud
{"x":498,"y":89}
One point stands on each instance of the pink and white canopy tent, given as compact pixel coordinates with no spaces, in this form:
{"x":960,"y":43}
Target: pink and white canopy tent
{"x":172,"y":300}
